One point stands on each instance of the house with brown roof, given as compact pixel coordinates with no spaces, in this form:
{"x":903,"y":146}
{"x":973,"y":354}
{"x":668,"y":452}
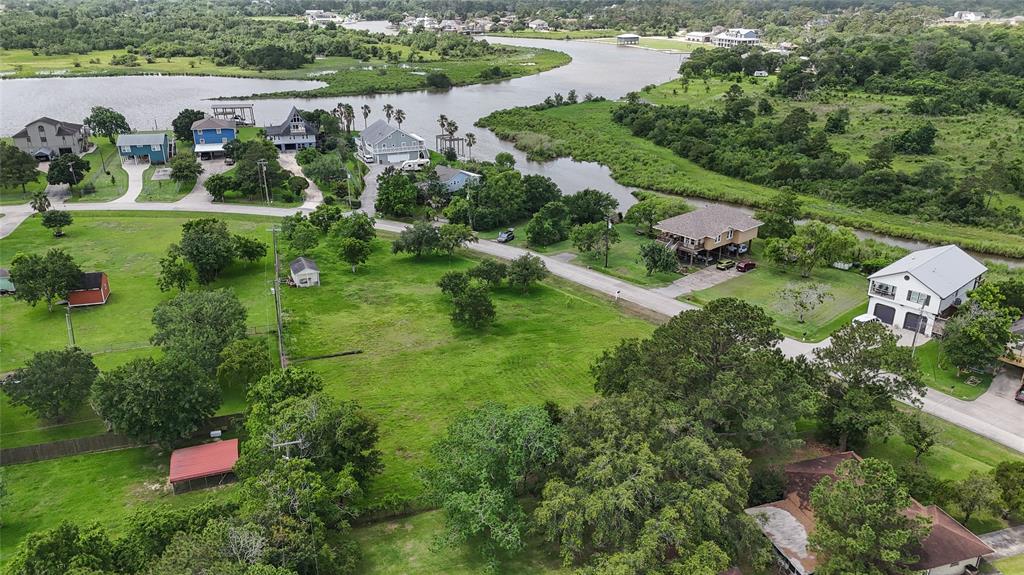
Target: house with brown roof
{"x":709,"y":231}
{"x":46,"y":138}
{"x":949,"y":549}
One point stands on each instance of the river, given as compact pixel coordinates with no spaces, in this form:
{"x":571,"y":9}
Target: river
{"x":599,"y":69}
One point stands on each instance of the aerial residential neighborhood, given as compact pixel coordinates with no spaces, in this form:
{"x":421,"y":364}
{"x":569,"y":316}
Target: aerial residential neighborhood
{"x":575,"y":287}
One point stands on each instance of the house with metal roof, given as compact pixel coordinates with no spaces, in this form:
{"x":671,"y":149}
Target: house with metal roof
{"x":47,"y":138}
{"x":148,"y":147}
{"x":922,"y":289}
{"x":201,"y":466}
{"x":209,"y":135}
{"x":295,"y":133}
{"x":304,"y":272}
{"x":455,"y":179}
{"x":948,"y":549}
{"x":710,"y":231}
{"x":383,"y":143}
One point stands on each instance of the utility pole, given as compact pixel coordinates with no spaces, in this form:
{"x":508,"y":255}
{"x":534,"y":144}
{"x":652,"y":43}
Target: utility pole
{"x":262,"y":164}
{"x":71,"y":328}
{"x":287,"y":445}
{"x":607,"y":229}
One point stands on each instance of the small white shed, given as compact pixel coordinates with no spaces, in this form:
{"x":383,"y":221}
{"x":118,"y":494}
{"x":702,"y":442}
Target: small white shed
{"x":305,"y":273}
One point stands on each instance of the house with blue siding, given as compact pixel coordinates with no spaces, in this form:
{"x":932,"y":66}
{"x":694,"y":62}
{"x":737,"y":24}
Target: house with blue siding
{"x":209,"y":135}
{"x":148,"y":147}
{"x":454,"y":179}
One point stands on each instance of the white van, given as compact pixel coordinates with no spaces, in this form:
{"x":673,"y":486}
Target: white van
{"x":414,"y":165}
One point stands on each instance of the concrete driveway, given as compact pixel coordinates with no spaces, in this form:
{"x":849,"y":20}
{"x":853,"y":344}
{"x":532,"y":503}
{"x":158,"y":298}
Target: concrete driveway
{"x":313,"y":196}
{"x":369,"y":196}
{"x":698,"y":280}
{"x":1006,"y":542}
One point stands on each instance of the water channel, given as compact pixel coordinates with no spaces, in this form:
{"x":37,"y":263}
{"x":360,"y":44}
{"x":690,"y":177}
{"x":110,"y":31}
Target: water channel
{"x":599,"y":69}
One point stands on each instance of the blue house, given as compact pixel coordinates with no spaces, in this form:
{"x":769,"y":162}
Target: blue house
{"x":210,"y":134}
{"x":454,"y":179}
{"x":151,"y":147}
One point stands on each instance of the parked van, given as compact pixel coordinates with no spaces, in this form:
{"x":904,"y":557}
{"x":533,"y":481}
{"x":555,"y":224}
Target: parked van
{"x":414,"y":165}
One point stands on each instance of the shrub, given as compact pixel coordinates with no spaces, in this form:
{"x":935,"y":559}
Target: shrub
{"x":438,"y":80}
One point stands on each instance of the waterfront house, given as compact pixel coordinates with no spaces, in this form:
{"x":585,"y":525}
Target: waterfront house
{"x":151,"y":147}
{"x":698,"y":37}
{"x":295,"y":133}
{"x":47,"y":138}
{"x":921,"y":290}
{"x":627,"y":39}
{"x":386,"y":144}
{"x":736,"y":37}
{"x":454,"y":179}
{"x":708,"y":232}
{"x":538,"y":25}
{"x":209,"y":135}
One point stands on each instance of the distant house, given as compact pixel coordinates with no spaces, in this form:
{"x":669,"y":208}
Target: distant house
{"x":920,"y":290}
{"x":965,"y":16}
{"x":93,"y":289}
{"x":454,"y":179}
{"x":538,"y":25}
{"x":708,"y":231}
{"x":47,"y":138}
{"x":736,"y":37}
{"x":210,"y":134}
{"x":6,"y":285}
{"x":698,"y":37}
{"x":295,"y":133}
{"x":949,"y":549}
{"x":151,"y":147}
{"x":627,"y":39}
{"x":386,"y":144}
{"x":202,"y":466}
{"x":304,"y":272}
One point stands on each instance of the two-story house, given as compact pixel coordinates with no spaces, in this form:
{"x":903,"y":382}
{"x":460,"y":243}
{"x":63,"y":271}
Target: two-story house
{"x":386,"y":144}
{"x":151,"y":147}
{"x":209,"y":135}
{"x":46,"y":138}
{"x":923,"y":288}
{"x":295,"y":133}
{"x":712,"y":231}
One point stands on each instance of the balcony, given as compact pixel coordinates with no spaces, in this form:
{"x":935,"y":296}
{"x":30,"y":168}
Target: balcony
{"x":883,"y":290}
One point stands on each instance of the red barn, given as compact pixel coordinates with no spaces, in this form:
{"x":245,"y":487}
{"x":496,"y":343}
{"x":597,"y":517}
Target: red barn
{"x":203,"y":465}
{"x":93,"y":289}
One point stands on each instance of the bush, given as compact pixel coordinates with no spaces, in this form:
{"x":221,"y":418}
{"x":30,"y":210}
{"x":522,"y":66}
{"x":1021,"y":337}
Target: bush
{"x":233,"y":195}
{"x":297,"y":184}
{"x":438,"y":80}
{"x":87,"y":189}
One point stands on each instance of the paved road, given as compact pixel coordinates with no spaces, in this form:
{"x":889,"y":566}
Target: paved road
{"x":994,"y":415}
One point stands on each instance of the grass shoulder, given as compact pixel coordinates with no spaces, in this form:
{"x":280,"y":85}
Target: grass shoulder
{"x":17,"y":195}
{"x":105,"y":174}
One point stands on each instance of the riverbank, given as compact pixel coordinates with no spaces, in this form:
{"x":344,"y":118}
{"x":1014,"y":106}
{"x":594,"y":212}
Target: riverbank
{"x":586,"y":132}
{"x":341,"y":75}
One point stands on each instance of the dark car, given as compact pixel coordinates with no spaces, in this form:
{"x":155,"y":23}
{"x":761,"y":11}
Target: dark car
{"x":745,"y":266}
{"x":1020,"y":394}
{"x":725,"y":264}
{"x":507,"y":236}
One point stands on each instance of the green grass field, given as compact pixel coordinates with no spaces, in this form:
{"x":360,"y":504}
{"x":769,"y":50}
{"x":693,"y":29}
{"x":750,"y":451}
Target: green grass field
{"x":166,"y":190}
{"x":100,"y":487}
{"x":1011,"y":566}
{"x":656,"y":43}
{"x":417,"y":371}
{"x":623,"y":258}
{"x":15,"y":195}
{"x":939,"y":375}
{"x":588,"y":133}
{"x":128,"y":247}
{"x":761,"y":287}
{"x":345,"y":76}
{"x":108,"y":186}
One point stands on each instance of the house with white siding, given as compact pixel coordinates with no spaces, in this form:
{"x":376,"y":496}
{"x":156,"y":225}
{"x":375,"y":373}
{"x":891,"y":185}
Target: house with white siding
{"x":386,"y":144}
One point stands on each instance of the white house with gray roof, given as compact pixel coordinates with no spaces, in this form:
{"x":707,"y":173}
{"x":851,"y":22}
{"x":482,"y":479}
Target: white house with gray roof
{"x":304,"y":272}
{"x":922,"y":289}
{"x":454,"y":179}
{"x":386,"y":144}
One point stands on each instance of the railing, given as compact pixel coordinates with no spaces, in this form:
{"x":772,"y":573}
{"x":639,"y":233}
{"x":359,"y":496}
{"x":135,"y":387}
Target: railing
{"x":397,"y":149}
{"x":887,"y":294}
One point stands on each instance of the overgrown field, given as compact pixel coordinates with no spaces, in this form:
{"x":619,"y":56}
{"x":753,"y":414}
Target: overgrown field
{"x":588,"y":133}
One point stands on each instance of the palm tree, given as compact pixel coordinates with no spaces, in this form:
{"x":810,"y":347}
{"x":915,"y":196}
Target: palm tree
{"x":399,"y":117}
{"x":366,"y":114}
{"x":389,"y":111}
{"x":451,"y":127}
{"x":40,"y":202}
{"x":349,"y":115}
{"x":470,"y":142}
{"x":442,"y":121}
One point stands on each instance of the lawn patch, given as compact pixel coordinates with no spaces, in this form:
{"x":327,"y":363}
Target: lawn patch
{"x":15,"y":195}
{"x":941,"y":376}
{"x":108,"y":186}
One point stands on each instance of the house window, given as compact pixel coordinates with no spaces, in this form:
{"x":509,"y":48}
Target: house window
{"x":126,"y":149}
{"x":223,"y":140}
{"x":918,"y":297}
{"x":202,"y":140}
{"x":218,"y":130}
{"x":155,"y":147}
{"x":728,"y":235}
{"x":718,"y":238}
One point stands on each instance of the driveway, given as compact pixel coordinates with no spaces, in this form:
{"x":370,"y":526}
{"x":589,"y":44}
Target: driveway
{"x":313,"y":196}
{"x":369,"y":196}
{"x":1006,"y":542}
{"x":698,"y":280}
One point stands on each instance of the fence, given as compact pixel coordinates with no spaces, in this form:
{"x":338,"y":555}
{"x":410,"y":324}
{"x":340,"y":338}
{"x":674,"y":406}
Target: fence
{"x":95,"y":443}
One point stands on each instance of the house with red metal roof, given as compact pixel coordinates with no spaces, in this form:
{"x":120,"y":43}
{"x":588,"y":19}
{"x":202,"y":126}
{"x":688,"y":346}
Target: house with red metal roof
{"x":202,"y":466}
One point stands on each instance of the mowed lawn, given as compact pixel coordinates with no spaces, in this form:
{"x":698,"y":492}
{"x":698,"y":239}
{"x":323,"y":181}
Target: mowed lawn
{"x":1011,"y":566}
{"x":15,"y":195}
{"x":940,"y":375}
{"x":762,"y":285}
{"x":100,"y":487}
{"x":108,"y":186}
{"x":417,"y":371}
{"x":127,"y":246}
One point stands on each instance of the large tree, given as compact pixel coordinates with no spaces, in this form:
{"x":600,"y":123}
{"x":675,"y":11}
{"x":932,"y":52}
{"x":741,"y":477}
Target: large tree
{"x":977,"y":492}
{"x":418,"y":239}
{"x":589,"y":206}
{"x":17,"y":168}
{"x":244,"y":361}
{"x":863,"y":372}
{"x":721,"y":365}
{"x":182,"y":123}
{"x":46,"y":277}
{"x":976,"y":336}
{"x":525,"y":271}
{"x":813,"y":245}
{"x":156,"y":401}
{"x":185,"y":168}
{"x":67,"y":169}
{"x":549,"y":225}
{"x":208,"y":246}
{"x":595,"y":238}
{"x":63,"y":548}
{"x":52,"y":384}
{"x":487,"y":460}
{"x":396,"y":194}
{"x":107,"y":123}
{"x":199,"y":325}
{"x":354,"y":251}
{"x":57,"y":220}
{"x":780,"y":215}
{"x":861,"y":525}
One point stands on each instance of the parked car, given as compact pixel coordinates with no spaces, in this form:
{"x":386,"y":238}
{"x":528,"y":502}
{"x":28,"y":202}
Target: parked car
{"x":704,"y":259}
{"x":746,"y":266}
{"x":865,"y":318}
{"x":507,"y":236}
{"x":229,"y":161}
{"x":738,"y":249}
{"x":1020,"y":394}
{"x":726,"y":264}
{"x":414,"y":165}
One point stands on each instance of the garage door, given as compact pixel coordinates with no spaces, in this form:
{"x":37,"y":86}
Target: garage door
{"x":395,"y":158}
{"x":885,"y":313}
{"x":914,"y":321}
